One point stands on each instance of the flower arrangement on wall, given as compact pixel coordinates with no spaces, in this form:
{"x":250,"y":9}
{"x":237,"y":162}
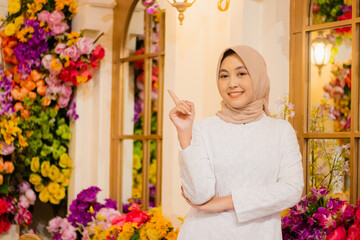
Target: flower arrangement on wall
{"x":90,"y":219}
{"x":43,"y":62}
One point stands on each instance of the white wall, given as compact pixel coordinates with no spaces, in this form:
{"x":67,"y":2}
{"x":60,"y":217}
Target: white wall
{"x":191,"y":56}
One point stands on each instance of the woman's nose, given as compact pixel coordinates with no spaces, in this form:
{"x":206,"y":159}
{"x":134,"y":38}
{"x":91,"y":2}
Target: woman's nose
{"x":233,"y":82}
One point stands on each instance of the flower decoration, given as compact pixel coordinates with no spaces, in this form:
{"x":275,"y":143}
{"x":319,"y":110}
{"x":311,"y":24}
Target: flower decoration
{"x":319,"y":216}
{"x":93,"y":220}
{"x":45,"y":62}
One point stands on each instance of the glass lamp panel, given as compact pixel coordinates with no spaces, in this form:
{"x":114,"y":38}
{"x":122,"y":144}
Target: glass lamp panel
{"x":329,"y":105}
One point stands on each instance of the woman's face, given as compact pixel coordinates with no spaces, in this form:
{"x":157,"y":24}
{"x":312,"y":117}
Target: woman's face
{"x":234,"y":83}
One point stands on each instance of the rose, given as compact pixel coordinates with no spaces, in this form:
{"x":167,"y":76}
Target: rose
{"x":67,"y":231}
{"x":99,"y":52}
{"x":43,"y":16}
{"x":87,"y":73}
{"x":72,"y":52}
{"x":60,"y":48}
{"x":354,"y":232}
{"x":30,"y":195}
{"x":23,"y":202}
{"x":4,"y":224}
{"x":59,"y":28}
{"x":119,"y":220}
{"x":137,"y":216}
{"x":56,"y":17}
{"x":85,"y":45}
{"x":54,"y":225}
{"x":46,"y":61}
{"x":24,"y":186}
{"x":108,"y":213}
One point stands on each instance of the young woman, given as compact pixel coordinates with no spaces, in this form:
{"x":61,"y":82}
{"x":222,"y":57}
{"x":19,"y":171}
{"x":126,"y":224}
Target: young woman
{"x":240,"y":168}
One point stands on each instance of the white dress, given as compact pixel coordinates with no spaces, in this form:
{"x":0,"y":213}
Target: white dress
{"x":258,"y":163}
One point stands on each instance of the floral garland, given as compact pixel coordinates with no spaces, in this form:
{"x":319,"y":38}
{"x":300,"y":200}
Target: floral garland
{"x":45,"y":62}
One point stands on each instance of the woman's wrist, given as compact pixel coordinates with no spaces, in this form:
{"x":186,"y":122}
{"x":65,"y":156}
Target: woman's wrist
{"x":184,"y":137}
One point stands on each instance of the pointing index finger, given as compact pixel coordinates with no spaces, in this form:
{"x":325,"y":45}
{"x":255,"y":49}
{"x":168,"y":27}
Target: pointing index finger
{"x":173,"y":96}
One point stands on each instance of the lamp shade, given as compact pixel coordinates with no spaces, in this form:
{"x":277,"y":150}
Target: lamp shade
{"x":320,"y":51}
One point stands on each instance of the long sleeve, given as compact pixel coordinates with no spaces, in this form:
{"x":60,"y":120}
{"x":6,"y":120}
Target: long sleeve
{"x":196,"y":173}
{"x":258,"y":201}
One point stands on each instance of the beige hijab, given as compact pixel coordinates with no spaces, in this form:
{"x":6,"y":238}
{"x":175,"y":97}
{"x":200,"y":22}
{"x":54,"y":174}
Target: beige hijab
{"x":256,"y":67}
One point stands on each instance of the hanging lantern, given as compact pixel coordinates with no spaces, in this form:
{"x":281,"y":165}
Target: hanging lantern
{"x":320,"y":51}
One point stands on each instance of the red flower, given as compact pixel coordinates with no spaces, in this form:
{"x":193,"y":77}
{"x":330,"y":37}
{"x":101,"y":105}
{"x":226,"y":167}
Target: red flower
{"x":316,"y":8}
{"x":87,"y":73}
{"x":338,"y":234}
{"x":4,"y":224}
{"x":354,"y":232}
{"x":119,"y":220}
{"x":81,"y":65}
{"x":137,"y":216}
{"x":358,"y":215}
{"x":94,"y":63}
{"x":3,"y":206}
{"x":99,"y":52}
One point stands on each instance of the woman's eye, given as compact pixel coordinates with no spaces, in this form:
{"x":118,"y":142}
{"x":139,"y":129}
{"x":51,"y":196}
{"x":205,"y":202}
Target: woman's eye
{"x":242,"y":73}
{"x":224,"y":76}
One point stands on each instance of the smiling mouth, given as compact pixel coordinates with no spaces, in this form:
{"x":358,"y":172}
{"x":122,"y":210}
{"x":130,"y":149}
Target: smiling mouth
{"x":235,"y":94}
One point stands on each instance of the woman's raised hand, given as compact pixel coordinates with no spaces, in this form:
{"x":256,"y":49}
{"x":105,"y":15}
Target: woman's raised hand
{"x":182,"y":116}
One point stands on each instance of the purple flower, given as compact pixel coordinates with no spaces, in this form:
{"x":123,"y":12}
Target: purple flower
{"x":152,"y":9}
{"x":346,"y":8}
{"x":29,"y":53}
{"x":88,"y":195}
{"x":109,"y":203}
{"x":72,"y":112}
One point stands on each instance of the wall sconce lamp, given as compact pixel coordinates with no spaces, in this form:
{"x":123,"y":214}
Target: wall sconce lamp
{"x":182,"y":5}
{"x":320,"y":51}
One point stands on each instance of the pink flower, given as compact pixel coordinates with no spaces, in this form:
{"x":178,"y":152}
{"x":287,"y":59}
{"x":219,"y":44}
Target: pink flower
{"x":85,"y":45}
{"x":30,"y":195}
{"x":66,"y":89}
{"x":59,"y":28}
{"x":43,"y":16}
{"x":23,"y":202}
{"x":63,"y":101}
{"x":24,"y":186}
{"x":60,"y":48}
{"x":46,"y":61}
{"x":67,"y":231}
{"x":109,"y":213}
{"x":56,"y":17}
{"x":72,"y":52}
{"x":54,"y":224}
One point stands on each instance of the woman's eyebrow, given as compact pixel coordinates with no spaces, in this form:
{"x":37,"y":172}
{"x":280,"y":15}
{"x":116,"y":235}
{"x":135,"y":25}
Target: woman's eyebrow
{"x":240,"y":67}
{"x":223,"y":70}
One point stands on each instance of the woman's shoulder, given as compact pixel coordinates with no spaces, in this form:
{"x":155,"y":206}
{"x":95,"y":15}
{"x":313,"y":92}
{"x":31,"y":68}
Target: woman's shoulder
{"x":278,"y":124}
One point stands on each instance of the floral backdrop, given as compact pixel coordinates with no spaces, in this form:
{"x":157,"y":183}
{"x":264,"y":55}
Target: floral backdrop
{"x":42,"y":62}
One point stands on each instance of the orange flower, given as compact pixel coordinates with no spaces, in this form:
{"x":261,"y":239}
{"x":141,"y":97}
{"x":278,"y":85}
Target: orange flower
{"x":9,"y":167}
{"x":1,"y":179}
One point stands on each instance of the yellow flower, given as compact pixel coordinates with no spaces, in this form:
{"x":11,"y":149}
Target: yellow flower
{"x":35,"y":164}
{"x":66,"y":172}
{"x":19,"y":20}
{"x":136,"y":162}
{"x":56,"y":64}
{"x":45,"y":168}
{"x":81,"y":79}
{"x":35,"y":179}
{"x":91,"y":210}
{"x":65,"y":161}
{"x":65,"y":182}
{"x":53,"y":187}
{"x":10,"y":29}
{"x":14,"y":6}
{"x":39,"y":188}
{"x":54,"y":173}
{"x":73,"y":7}
{"x":53,"y":200}
{"x":60,"y":194}
{"x":348,"y":2}
{"x":22,"y":141}
{"x":1,"y":146}
{"x":44,"y":195}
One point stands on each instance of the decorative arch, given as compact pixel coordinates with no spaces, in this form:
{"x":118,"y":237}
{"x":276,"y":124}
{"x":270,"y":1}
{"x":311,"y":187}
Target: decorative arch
{"x":149,"y":137}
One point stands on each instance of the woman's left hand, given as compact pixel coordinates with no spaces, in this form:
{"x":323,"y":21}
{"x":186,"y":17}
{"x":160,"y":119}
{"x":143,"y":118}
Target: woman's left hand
{"x":214,"y":205}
